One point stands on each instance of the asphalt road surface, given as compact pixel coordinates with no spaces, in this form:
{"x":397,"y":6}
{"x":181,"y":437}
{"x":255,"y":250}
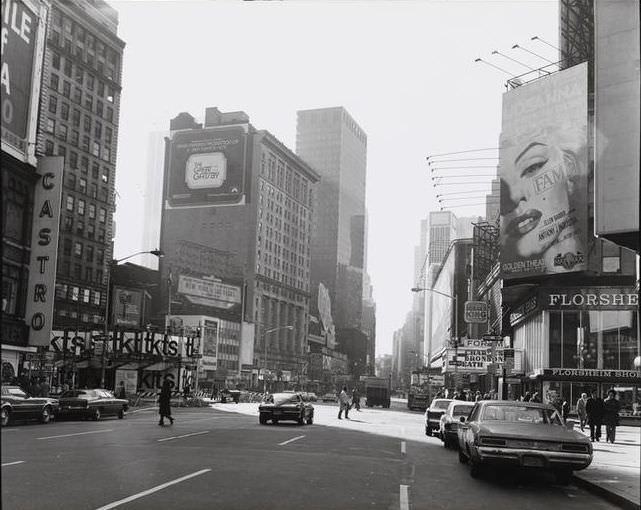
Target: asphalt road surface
{"x":221,"y":458}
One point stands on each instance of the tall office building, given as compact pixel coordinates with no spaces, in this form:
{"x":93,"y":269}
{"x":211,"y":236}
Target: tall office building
{"x":79,"y":114}
{"x":336,"y":147}
{"x":236,"y":234}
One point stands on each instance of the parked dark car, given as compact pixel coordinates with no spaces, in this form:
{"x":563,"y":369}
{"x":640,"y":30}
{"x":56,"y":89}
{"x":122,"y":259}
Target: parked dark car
{"x":93,"y":403}
{"x":329,"y":397}
{"x":227,"y":396}
{"x":286,"y":406}
{"x":524,"y":434}
{"x":19,"y":405}
{"x":433,"y":414}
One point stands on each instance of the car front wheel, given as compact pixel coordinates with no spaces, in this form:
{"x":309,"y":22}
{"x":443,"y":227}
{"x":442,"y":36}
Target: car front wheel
{"x":301,"y":418}
{"x":310,"y":420}
{"x":5,"y":417}
{"x":121,"y":414}
{"x":428,"y":431}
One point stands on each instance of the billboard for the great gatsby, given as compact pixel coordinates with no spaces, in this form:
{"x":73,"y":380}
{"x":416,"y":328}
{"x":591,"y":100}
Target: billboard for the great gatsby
{"x":543,"y":171}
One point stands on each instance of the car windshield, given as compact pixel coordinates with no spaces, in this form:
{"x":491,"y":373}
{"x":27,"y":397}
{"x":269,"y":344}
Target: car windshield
{"x":16,"y":392}
{"x":285,"y":398}
{"x":520,"y":414}
{"x":441,"y":404}
{"x":461,"y":410}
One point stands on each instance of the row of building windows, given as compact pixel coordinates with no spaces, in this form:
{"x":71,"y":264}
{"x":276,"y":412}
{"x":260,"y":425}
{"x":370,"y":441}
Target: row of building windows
{"x":81,"y":207}
{"x":80,"y":272}
{"x":285,"y":178}
{"x":78,"y":294}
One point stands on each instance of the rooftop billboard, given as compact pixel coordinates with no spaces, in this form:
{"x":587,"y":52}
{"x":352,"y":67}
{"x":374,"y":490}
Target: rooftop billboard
{"x":543,"y":170}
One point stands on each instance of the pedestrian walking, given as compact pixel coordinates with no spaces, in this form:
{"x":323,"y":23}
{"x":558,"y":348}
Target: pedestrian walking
{"x":527,"y":397}
{"x":565,"y":410}
{"x":356,"y":399}
{"x":343,"y":402}
{"x":580,"y":410}
{"x":120,"y":390}
{"x":536,"y":397}
{"x":611,"y":408}
{"x":187,"y":390}
{"x":594,"y":411}
{"x":34,"y":387}
{"x":45,"y":389}
{"x":164,"y":403}
{"x":478,"y":396}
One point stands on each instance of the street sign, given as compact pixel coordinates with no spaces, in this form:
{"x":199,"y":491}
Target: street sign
{"x":475,"y":312}
{"x":492,"y":338}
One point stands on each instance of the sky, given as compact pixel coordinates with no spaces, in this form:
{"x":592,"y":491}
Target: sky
{"x":404,"y":70}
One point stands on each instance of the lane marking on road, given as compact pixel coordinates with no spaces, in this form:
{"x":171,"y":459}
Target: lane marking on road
{"x":13,"y":463}
{"x":77,"y":434}
{"x":291,"y":440}
{"x":152,"y":490}
{"x":403,"y":448}
{"x":184,"y":435}
{"x":143,"y":409}
{"x":404,"y":497}
{"x":9,"y":430}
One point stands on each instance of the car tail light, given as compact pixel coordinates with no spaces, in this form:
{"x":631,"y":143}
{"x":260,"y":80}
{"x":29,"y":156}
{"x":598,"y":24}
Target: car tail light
{"x":491,"y":441}
{"x":574,"y":447}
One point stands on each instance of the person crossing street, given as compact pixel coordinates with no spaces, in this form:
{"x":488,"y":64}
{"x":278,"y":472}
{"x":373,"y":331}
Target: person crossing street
{"x":344,"y":403}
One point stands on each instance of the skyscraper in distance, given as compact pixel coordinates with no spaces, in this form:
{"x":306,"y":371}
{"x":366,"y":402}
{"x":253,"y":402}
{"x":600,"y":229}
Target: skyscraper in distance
{"x":331,"y":141}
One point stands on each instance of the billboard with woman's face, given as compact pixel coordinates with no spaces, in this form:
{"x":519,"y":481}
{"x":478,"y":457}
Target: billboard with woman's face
{"x":543,"y":170}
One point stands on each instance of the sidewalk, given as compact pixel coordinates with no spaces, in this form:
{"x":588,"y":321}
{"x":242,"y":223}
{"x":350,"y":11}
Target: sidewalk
{"x":615,"y":469}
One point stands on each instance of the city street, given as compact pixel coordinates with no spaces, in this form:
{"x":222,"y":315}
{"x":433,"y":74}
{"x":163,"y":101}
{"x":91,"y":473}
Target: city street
{"x":220,"y":457}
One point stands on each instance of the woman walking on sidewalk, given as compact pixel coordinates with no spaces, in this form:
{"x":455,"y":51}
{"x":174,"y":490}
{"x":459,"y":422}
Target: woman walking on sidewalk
{"x":611,"y":407}
{"x":164,"y":402}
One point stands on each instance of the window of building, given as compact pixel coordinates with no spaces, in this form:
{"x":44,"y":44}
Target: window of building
{"x":49,"y":148}
{"x":100,"y":256}
{"x":88,"y":102}
{"x":73,"y":159}
{"x":77,"y":271}
{"x":91,"y":82}
{"x":111,"y":95}
{"x":108,"y":135}
{"x":81,"y":207}
{"x":86,"y":124}
{"x":68,"y":67}
{"x":82,"y":185}
{"x":84,"y":164}
{"x":99,"y":108}
{"x":85,"y":143}
{"x":79,"y":74}
{"x":102,"y":217}
{"x":62,"y":151}
{"x":105,"y":174}
{"x":66,"y":89}
{"x":77,"y":95}
{"x":75,"y":136}
{"x":64,"y":111}
{"x":95,"y":170}
{"x":96,"y":293}
{"x":77,"y":249}
{"x":92,"y":211}
{"x":53,"y":104}
{"x":106,"y":153}
{"x":50,"y":125}
{"x":95,"y":149}
{"x":75,"y":118}
{"x":71,"y":180}
{"x":80,"y":227}
{"x":62,"y":132}
{"x":101,"y":88}
{"x":54,"y":81}
{"x":86,"y":292}
{"x":89,"y":252}
{"x":91,"y":230}
{"x":61,"y":290}
{"x":97,"y":130}
{"x":101,"y":235}
{"x":110,"y":114}
{"x":66,"y":246}
{"x":55,"y":60}
{"x":93,"y":190}
{"x":67,"y":225}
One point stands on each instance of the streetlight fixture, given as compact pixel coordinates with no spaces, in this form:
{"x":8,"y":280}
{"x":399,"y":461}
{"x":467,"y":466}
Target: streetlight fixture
{"x":429,"y":342}
{"x":265,"y":347}
{"x":105,"y":337}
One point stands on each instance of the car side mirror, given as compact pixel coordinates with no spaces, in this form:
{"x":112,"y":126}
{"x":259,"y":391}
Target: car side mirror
{"x":462,"y":419}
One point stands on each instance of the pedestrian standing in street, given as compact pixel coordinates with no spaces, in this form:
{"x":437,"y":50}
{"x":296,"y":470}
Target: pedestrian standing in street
{"x":164,"y":402}
{"x":594,"y":410}
{"x":535,"y":397}
{"x":45,"y":389}
{"x":120,"y":391}
{"x":565,"y":410}
{"x":611,"y":408}
{"x":580,"y":410}
{"x":527,"y":397}
{"x":343,"y":402}
{"x":478,"y":396}
{"x":34,"y":388}
{"x":356,"y":399}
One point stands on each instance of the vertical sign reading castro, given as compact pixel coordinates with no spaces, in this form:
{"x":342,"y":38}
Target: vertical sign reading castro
{"x":44,"y":249}
{"x":22,"y":39}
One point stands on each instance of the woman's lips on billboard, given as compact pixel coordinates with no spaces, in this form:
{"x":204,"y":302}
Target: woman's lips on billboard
{"x":524,"y":223}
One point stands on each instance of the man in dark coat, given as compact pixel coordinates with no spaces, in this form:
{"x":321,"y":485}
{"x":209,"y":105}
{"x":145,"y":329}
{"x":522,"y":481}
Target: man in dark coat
{"x":611,"y":408}
{"x":164,"y":402}
{"x":594,"y":410}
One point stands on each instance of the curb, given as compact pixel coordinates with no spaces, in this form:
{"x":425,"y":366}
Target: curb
{"x":612,"y":497}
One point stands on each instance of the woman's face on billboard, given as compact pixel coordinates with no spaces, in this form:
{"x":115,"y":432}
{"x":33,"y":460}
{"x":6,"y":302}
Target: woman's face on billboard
{"x":534,"y":198}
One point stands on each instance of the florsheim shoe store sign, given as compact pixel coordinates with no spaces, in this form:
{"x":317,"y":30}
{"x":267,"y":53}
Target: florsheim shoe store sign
{"x":576,"y":298}
{"x":590,"y":374}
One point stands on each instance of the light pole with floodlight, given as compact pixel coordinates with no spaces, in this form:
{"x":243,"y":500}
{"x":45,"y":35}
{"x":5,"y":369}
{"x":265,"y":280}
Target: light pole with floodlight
{"x":290,"y":328}
{"x":107,"y":321}
{"x":429,"y":341}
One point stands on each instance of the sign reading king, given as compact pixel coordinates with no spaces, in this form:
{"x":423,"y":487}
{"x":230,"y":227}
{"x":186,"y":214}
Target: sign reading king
{"x":44,"y":250}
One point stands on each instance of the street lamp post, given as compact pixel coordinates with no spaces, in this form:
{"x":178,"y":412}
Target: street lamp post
{"x":429,"y":342}
{"x":265,"y":352}
{"x":107,"y":321}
